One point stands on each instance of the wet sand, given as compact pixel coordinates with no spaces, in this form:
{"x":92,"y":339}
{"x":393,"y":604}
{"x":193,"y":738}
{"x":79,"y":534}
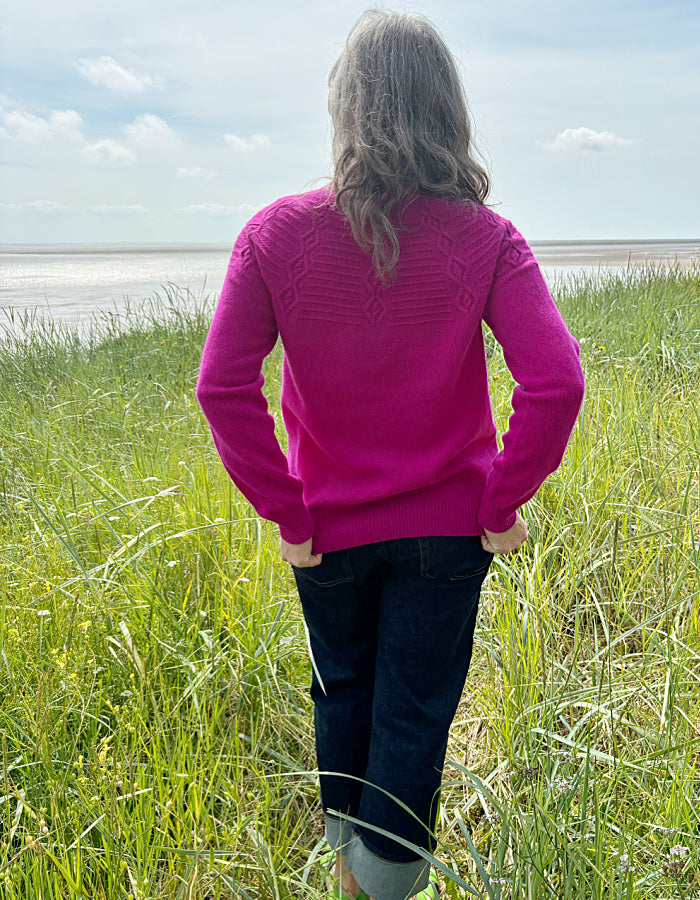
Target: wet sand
{"x":616,"y":253}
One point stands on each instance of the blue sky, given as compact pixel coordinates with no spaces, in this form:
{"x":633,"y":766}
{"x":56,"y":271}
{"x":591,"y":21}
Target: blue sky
{"x":174,"y":121}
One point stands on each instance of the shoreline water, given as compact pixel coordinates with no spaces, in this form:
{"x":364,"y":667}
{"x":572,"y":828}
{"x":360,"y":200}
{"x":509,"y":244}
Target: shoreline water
{"x":71,"y":284}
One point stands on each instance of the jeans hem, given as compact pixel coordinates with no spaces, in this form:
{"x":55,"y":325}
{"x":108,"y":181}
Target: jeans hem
{"x":339,"y":832}
{"x":381,"y":878}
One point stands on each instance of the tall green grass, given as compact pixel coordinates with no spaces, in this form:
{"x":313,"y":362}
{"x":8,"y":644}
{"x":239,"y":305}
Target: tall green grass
{"x":155,"y":726}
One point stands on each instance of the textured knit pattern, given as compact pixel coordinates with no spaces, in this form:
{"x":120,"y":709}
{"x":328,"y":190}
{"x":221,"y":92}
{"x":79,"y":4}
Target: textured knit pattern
{"x":385,"y":393}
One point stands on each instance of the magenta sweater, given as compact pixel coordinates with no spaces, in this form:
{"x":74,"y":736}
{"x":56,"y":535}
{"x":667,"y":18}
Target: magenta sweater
{"x":384,"y":395}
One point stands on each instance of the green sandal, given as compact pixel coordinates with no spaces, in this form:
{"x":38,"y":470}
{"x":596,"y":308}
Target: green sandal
{"x":432,"y":892}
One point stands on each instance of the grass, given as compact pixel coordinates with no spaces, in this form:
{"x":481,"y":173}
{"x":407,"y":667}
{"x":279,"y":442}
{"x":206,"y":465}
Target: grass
{"x":155,"y":726}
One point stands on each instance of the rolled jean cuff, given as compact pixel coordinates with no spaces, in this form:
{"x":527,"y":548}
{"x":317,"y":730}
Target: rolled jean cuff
{"x":339,"y":833}
{"x":381,"y":878}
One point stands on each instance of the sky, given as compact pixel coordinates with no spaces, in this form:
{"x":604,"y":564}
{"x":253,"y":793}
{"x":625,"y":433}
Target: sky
{"x":174,"y":121}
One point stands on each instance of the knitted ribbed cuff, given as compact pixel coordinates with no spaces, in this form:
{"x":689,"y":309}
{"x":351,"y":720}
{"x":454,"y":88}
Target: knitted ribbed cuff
{"x":496,"y":522}
{"x":297,"y":534}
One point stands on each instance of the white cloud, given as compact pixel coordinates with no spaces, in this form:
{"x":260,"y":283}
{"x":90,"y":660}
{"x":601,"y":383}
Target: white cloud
{"x":47,"y":207}
{"x":107,"y":72}
{"x":108,"y":209}
{"x":247,"y":145}
{"x":149,"y":132}
{"x":108,"y":151}
{"x":218,"y":209}
{"x":25,"y":127}
{"x":585,"y":139}
{"x":67,"y":123}
{"x":194,"y":172}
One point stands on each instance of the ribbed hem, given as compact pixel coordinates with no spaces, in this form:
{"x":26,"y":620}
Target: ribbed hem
{"x":380,"y":878}
{"x":448,"y":508}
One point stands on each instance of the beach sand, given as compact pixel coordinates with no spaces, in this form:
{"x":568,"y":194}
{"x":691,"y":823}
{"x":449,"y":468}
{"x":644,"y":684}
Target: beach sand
{"x":616,"y":253}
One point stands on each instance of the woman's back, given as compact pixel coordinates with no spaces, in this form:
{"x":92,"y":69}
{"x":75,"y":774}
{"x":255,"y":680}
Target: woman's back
{"x":385,"y":394}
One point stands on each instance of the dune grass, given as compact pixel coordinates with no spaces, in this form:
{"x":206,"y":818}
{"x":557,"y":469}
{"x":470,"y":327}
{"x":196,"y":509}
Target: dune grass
{"x":155,"y":725}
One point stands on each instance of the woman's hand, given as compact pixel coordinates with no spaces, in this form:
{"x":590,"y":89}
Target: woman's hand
{"x":299,"y":555}
{"x":505,"y":541}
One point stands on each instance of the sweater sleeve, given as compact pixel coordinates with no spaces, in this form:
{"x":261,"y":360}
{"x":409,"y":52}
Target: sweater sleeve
{"x":243,"y":332}
{"x":543,"y":358}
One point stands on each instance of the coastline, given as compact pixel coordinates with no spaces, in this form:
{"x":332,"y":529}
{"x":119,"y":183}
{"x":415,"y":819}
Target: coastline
{"x":617,"y":253}
{"x":551,"y":252}
{"x":71,"y":283}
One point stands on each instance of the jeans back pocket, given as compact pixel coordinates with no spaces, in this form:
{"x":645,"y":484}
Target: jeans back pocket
{"x":333,"y":569}
{"x":458,"y":558}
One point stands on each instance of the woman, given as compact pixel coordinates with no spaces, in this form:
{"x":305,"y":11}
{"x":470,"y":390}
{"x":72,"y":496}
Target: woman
{"x":393,"y":496}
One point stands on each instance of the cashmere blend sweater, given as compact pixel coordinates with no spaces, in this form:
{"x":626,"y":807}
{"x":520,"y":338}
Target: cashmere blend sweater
{"x":384,"y":391}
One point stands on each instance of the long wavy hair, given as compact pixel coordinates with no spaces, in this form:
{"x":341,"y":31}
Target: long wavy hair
{"x":401,"y":127}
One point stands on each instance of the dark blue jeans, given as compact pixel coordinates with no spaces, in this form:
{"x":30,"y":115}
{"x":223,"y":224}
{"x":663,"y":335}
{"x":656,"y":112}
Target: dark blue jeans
{"x":391,"y":627}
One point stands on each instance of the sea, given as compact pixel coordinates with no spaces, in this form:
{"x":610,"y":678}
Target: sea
{"x":76,"y":286}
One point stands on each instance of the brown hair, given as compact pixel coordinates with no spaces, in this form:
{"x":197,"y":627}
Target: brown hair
{"x":401,"y":127}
